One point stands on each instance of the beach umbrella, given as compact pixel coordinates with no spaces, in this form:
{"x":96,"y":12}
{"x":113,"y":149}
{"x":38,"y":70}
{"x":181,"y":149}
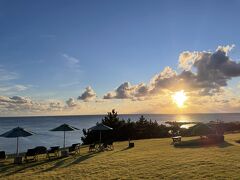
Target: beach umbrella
{"x":64,"y":128}
{"x":100,"y":127}
{"x":16,"y":133}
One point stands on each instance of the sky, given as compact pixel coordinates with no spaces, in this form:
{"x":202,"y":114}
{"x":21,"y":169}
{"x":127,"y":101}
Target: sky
{"x":87,"y":57}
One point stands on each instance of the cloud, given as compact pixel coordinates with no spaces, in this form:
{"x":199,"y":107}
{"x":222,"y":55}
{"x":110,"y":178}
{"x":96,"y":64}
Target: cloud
{"x":213,"y":69}
{"x":202,"y":72}
{"x":226,"y":48}
{"x":122,"y":92}
{"x":70,"y":59}
{"x":55,"y":105}
{"x":69,"y":84}
{"x":72,"y":63}
{"x":164,"y":80}
{"x":127,"y":91}
{"x":203,"y":75}
{"x":13,"y":88}
{"x":88,"y":94}
{"x":207,"y":72}
{"x":20,"y":100}
{"x":238,"y":86}
{"x":187,"y":59}
{"x":15,"y":103}
{"x":6,"y":75}
{"x":71,"y":102}
{"x":161,"y":81}
{"x":20,"y":104}
{"x":14,"y":99}
{"x":6,"y":86}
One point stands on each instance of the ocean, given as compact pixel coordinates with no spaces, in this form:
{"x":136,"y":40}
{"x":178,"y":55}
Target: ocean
{"x":44,"y":137}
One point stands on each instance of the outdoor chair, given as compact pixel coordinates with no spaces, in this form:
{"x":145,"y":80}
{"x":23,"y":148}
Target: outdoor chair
{"x":30,"y":155}
{"x":103,"y":147}
{"x":92,"y":147}
{"x":75,"y":148}
{"x":2,"y":155}
{"x":40,"y":150}
{"x":109,"y":145}
{"x":53,"y":152}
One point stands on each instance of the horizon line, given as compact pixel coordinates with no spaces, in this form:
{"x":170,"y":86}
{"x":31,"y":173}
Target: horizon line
{"x":28,"y":116}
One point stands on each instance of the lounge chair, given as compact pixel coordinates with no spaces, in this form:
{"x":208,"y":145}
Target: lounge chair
{"x":75,"y":148}
{"x":2,"y":155}
{"x":30,"y":155}
{"x":40,"y":150}
{"x":92,"y":147}
{"x":53,"y":152}
{"x":108,"y":145}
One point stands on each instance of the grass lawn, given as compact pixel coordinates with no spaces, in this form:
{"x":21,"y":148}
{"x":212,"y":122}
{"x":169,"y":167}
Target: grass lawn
{"x":149,"y":159}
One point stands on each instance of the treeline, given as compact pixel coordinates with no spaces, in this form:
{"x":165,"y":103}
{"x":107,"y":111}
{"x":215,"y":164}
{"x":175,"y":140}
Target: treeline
{"x":126,"y":129}
{"x":145,"y":129}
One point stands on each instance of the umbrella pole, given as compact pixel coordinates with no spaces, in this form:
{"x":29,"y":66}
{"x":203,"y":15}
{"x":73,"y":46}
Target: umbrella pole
{"x":64,"y":140}
{"x":17,"y":146}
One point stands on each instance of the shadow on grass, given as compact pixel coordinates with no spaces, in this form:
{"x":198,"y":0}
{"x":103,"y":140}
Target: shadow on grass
{"x":124,"y":149}
{"x":75,"y":161}
{"x":12,"y":168}
{"x":56,"y":165}
{"x":224,"y":144}
{"x":198,"y":143}
{"x":237,"y":141}
{"x":82,"y":158}
{"x":5,"y":167}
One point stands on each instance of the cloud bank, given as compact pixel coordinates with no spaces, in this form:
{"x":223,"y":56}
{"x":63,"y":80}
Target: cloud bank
{"x":19,"y":104}
{"x":203,"y":73}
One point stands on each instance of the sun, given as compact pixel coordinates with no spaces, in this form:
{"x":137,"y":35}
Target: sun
{"x":179,"y":98}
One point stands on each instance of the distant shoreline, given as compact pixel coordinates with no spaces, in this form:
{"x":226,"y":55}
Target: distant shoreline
{"x":135,"y":114}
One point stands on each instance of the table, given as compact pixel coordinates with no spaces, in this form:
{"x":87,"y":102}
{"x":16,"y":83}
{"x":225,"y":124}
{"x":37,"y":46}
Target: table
{"x":176,"y":139}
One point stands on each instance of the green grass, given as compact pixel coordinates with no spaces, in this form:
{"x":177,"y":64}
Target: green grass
{"x":149,"y":159}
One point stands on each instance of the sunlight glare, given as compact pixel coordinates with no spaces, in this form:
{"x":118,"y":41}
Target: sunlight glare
{"x":179,"y":98}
